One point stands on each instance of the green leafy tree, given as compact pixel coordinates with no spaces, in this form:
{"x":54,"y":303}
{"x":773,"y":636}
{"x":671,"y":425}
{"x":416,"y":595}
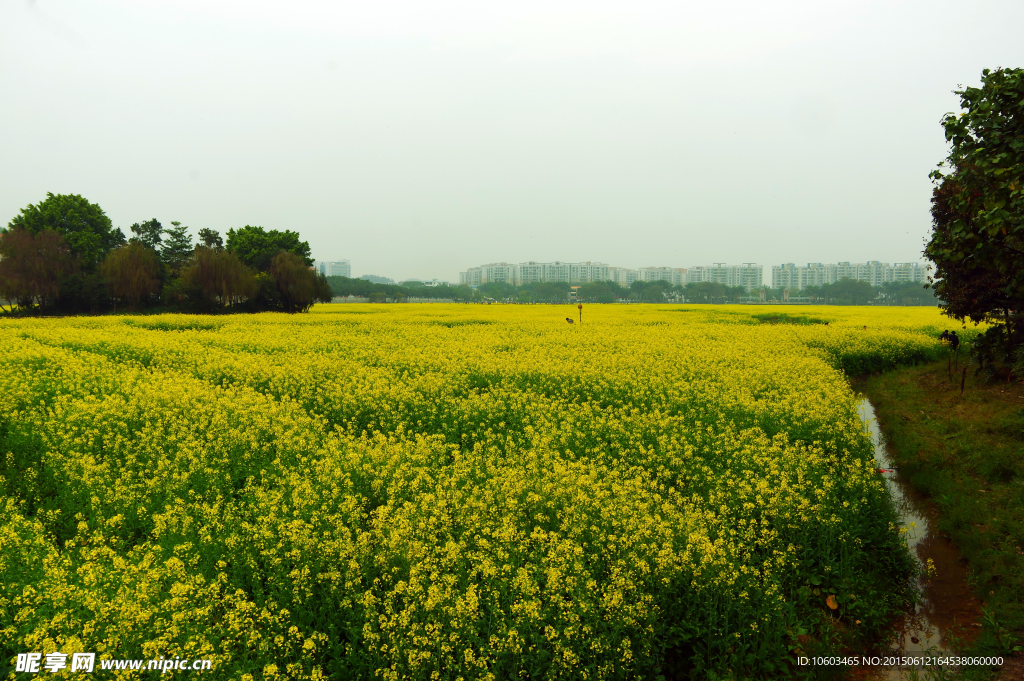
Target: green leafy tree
{"x":600,"y":292}
{"x":497,"y":290}
{"x":852,"y":291}
{"x":734,"y":293}
{"x":649,"y":291}
{"x":345,"y":286}
{"x":149,"y":233}
{"x":906,"y":293}
{"x":890,"y":292}
{"x":84,"y":226}
{"x":257,"y":247}
{"x":977,"y":241}
{"x":210,"y":238}
{"x":177,"y":248}
{"x":707,"y":292}
{"x":465,"y":293}
{"x":548,"y":292}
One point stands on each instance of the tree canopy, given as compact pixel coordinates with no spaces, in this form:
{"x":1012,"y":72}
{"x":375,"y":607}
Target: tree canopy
{"x":257,"y":247}
{"x":210,"y":238}
{"x":176,"y":249}
{"x":149,"y":233}
{"x":845,"y":291}
{"x":977,"y":241}
{"x":63,"y":255}
{"x":84,"y":226}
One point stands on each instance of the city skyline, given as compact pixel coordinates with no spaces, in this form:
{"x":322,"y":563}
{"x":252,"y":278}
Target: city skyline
{"x":751,"y":275}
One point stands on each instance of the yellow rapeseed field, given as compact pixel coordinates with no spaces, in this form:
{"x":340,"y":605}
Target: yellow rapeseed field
{"x":449,"y":491}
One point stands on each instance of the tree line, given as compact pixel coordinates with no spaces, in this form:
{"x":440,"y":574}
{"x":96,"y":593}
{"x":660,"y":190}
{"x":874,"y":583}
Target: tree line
{"x":844,"y":292}
{"x":853,"y":292}
{"x":63,"y":255}
{"x":345,"y":286}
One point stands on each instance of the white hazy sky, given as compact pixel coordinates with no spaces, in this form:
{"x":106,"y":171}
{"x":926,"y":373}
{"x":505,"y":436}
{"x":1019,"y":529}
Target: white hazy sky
{"x":420,"y":138}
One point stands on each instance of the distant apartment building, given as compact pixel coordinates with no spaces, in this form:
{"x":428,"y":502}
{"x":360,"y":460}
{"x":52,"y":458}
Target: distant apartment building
{"x":908,"y":272}
{"x":672,"y":275}
{"x":749,"y":275}
{"x":535,"y":272}
{"x":492,"y":272}
{"x":876,"y":273}
{"x":695,"y":275}
{"x":587,"y":272}
{"x":623,"y":276}
{"x":338,"y":268}
{"x":557,"y":271}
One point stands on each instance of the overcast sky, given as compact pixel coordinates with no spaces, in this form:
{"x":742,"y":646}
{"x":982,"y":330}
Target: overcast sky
{"x":421,"y":138}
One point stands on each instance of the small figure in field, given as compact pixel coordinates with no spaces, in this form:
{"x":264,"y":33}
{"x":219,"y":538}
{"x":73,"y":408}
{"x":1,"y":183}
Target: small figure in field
{"x":569,"y":320}
{"x":954,"y":340}
{"x":944,"y":336}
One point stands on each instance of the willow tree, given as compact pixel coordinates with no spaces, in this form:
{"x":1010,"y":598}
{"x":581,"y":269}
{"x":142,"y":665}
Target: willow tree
{"x":298,"y":285}
{"x":219,"y":277}
{"x":132,"y":273}
{"x":33,"y":266}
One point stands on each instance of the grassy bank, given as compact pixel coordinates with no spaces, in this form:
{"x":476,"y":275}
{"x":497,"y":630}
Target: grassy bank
{"x":966,"y":453}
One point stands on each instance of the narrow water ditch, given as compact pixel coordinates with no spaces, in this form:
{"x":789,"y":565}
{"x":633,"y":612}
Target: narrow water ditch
{"x":947,"y":612}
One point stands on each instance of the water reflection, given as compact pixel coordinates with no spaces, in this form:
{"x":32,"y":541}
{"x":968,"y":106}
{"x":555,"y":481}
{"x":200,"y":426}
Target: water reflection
{"x":944,"y":617}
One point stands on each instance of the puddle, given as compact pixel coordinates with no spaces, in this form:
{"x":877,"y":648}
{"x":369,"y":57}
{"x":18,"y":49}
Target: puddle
{"x":942,"y":622}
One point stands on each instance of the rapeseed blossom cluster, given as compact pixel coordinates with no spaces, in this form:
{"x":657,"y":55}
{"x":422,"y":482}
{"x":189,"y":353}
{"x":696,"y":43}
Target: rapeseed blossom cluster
{"x":447,"y":492}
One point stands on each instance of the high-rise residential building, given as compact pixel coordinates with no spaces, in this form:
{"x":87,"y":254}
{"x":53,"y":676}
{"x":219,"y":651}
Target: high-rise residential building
{"x":586,"y":272}
{"x":908,"y":272}
{"x":673,"y":275}
{"x":623,"y":276}
{"x":695,"y":275}
{"x":874,"y":272}
{"x":338,"y":268}
{"x":748,"y":275}
{"x":535,"y":272}
{"x":492,"y":272}
{"x":558,"y":271}
{"x":531,"y":272}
